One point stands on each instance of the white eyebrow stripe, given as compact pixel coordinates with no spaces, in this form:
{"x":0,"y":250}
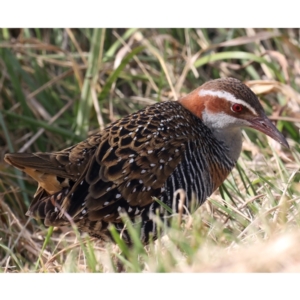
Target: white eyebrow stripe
{"x":228,"y":97}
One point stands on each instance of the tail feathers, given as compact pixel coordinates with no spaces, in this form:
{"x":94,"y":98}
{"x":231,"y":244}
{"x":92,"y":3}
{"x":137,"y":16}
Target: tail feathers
{"x":43,"y":162}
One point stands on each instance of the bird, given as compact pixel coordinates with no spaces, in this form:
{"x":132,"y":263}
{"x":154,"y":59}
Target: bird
{"x":190,"y":144}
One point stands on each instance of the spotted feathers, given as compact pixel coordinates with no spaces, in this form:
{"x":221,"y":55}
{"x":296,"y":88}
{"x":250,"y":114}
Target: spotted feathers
{"x":148,"y":154}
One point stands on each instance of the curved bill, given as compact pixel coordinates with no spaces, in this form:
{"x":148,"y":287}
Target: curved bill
{"x":264,"y":125}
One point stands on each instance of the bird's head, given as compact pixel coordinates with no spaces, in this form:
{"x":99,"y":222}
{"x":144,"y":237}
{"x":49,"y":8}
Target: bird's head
{"x":228,"y":103}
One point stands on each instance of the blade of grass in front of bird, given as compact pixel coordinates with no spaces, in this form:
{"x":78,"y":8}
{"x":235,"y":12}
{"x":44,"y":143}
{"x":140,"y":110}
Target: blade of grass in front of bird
{"x":118,"y":240}
{"x":165,"y":206}
{"x":46,"y":241}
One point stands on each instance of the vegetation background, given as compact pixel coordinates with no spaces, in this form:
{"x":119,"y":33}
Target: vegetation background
{"x":59,"y":85}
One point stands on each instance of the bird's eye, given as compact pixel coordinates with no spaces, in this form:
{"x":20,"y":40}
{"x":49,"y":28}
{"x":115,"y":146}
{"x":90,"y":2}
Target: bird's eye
{"x":237,"y":107}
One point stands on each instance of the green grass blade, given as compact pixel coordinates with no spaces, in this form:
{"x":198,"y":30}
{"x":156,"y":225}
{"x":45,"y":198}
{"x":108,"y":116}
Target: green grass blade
{"x":47,"y":239}
{"x":114,"y":75}
{"x":41,"y":124}
{"x":236,"y":55}
{"x":165,"y":206}
{"x":94,"y":64}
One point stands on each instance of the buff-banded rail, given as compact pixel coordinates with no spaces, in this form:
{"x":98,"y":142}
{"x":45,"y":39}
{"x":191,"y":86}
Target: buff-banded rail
{"x":191,"y":144}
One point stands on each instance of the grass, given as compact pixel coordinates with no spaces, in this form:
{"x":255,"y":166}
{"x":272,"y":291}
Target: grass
{"x":59,"y":85}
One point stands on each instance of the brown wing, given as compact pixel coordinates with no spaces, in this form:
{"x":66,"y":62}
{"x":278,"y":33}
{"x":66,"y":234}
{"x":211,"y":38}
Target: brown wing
{"x":121,"y":168}
{"x":130,"y":166}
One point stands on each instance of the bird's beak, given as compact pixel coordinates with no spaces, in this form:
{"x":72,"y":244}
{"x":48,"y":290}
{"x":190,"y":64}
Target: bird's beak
{"x":264,"y":125}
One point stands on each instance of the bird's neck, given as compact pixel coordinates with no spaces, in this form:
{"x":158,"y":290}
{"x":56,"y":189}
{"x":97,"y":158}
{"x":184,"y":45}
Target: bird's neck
{"x":231,"y":136}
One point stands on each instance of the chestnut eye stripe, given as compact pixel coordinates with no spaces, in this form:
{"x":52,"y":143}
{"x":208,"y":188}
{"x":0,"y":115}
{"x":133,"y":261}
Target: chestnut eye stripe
{"x":229,"y":97}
